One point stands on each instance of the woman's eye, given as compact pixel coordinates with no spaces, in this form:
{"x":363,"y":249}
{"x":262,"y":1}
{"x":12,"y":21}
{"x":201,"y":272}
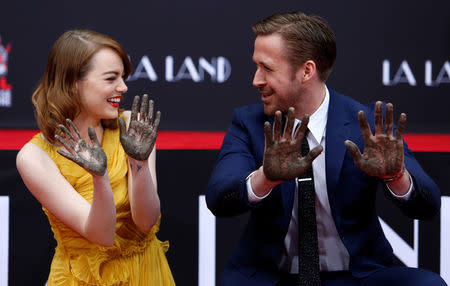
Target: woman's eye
{"x":111,"y":78}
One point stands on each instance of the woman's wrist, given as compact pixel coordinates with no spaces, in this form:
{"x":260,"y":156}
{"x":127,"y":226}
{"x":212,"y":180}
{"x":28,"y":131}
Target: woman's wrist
{"x":137,"y":165}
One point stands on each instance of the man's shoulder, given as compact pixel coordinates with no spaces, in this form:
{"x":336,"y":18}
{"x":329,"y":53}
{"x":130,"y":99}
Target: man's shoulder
{"x":348,"y":103}
{"x":251,"y":112}
{"x":250,"y":108}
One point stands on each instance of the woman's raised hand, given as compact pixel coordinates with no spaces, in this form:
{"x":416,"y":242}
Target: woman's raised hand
{"x":91,"y":157}
{"x":139,"y":140}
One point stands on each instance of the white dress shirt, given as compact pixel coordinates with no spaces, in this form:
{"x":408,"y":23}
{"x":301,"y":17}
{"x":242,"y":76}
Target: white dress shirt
{"x":333,"y":255}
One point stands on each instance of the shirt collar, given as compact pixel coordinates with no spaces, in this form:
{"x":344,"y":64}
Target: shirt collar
{"x":318,"y":120}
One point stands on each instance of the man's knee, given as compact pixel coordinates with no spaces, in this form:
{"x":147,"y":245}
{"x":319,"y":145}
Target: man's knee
{"x":397,"y":276}
{"x":431,"y":278}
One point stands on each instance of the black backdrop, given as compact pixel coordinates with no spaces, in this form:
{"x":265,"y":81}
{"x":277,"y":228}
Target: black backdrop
{"x":194,"y":59}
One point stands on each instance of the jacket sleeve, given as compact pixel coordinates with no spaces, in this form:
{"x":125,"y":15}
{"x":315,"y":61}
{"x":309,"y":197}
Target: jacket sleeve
{"x":425,"y":200}
{"x":226,"y":194}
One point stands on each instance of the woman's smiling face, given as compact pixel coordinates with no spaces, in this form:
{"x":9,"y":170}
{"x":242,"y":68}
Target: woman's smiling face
{"x":103,"y":86}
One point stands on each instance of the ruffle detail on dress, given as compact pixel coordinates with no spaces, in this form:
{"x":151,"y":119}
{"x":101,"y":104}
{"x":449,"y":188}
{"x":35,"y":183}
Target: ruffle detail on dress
{"x":100,"y":265}
{"x":110,"y":267}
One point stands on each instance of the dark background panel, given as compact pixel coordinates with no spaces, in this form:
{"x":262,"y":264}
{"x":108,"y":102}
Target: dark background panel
{"x":182,"y":178}
{"x":367,"y":34}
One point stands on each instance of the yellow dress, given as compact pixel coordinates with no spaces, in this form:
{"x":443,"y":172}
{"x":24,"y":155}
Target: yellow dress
{"x":136,"y":258}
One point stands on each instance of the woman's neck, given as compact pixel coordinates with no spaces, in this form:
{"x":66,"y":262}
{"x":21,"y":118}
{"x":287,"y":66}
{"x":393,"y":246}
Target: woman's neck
{"x":83,"y":124}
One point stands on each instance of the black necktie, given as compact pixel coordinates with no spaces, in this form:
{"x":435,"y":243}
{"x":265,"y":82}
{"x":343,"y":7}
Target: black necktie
{"x":308,"y":256}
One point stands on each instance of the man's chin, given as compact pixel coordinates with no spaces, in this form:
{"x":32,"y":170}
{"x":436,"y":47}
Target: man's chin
{"x":270,"y":110}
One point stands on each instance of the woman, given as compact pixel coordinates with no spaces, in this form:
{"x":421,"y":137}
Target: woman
{"x":100,"y":197}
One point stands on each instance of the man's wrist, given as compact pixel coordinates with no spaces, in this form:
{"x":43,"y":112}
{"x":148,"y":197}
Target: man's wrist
{"x":252,"y":197}
{"x":394,"y":178}
{"x":406,"y":193}
{"x":260,"y":184}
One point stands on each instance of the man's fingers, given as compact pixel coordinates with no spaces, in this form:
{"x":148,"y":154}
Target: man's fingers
{"x":378,"y":117}
{"x":389,"y":119}
{"x":312,"y":154}
{"x":354,"y":151}
{"x":289,"y":124}
{"x":401,"y":126}
{"x":277,"y":126}
{"x":134,"y":108}
{"x":365,"y":128}
{"x":267,"y":134}
{"x":301,"y":130}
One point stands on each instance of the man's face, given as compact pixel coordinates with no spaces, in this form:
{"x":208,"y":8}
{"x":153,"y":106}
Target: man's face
{"x":274,"y":77}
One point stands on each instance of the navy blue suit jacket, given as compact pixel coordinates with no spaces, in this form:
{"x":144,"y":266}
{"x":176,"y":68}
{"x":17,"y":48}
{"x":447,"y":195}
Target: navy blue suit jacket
{"x":351,"y":194}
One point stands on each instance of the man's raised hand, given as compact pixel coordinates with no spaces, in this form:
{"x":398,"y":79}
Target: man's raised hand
{"x":383,"y":152}
{"x":282,"y":154}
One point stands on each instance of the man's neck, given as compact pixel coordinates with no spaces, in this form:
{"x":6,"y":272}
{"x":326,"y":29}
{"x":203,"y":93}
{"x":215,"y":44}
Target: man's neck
{"x":310,"y":100}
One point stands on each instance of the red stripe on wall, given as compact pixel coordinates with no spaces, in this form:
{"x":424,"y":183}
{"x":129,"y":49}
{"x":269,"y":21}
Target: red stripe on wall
{"x":189,"y":140}
{"x":428,"y":142}
{"x":194,"y":140}
{"x":12,"y":139}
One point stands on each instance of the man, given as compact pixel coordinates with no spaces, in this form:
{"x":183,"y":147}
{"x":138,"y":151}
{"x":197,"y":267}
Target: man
{"x":257,"y":172}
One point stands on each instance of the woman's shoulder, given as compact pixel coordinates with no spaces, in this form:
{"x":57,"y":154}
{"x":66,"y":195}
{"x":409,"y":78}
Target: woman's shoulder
{"x":32,"y":148}
{"x":28,"y":151}
{"x":38,"y":148}
{"x":32,"y":158}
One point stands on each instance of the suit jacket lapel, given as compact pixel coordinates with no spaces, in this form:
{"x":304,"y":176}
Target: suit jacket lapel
{"x":337,"y":132}
{"x":287,"y":193}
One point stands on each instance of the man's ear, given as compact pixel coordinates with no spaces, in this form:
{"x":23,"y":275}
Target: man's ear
{"x":307,"y":71}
